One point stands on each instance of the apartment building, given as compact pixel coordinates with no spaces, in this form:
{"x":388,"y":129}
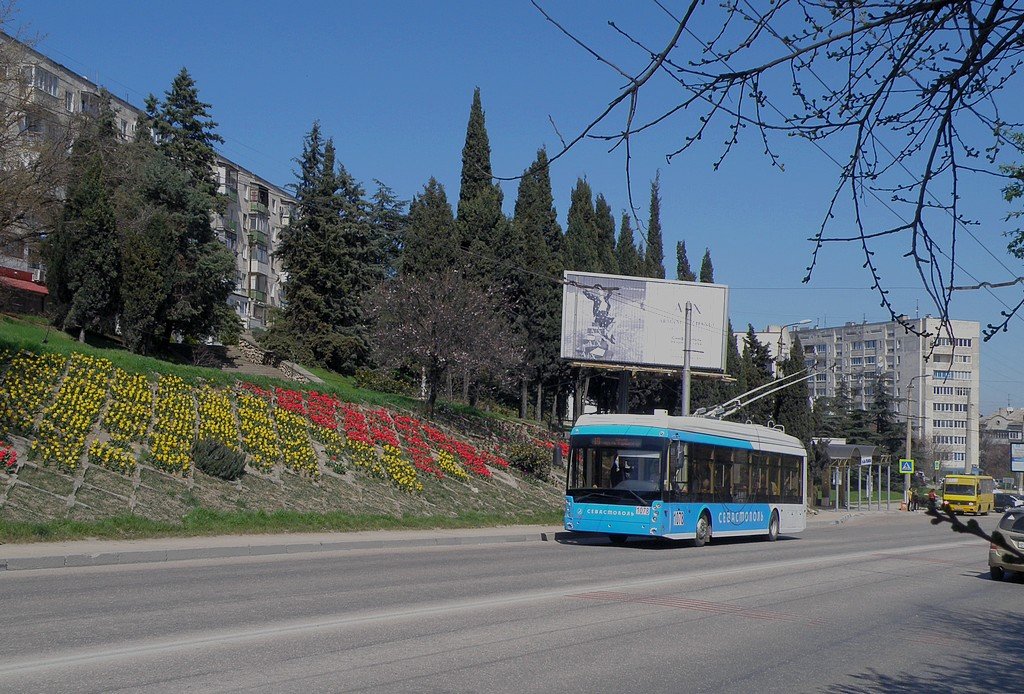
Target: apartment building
{"x":934,"y":380}
{"x":1005,"y":425}
{"x":251,"y":225}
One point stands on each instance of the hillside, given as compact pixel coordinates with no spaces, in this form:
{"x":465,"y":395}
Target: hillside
{"x":87,"y":436}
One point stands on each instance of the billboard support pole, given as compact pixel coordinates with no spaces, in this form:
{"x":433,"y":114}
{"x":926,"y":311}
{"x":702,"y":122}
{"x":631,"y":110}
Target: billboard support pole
{"x":685,"y":396}
{"x":623,"y":392}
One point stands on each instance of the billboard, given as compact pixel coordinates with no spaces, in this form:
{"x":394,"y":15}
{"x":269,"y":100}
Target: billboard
{"x":639,"y":321}
{"x":1017,"y":457}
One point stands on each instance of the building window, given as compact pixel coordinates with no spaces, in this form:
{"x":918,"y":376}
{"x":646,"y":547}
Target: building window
{"x":821,"y":349}
{"x":869,"y":360}
{"x":69,"y":101}
{"x":870,"y":344}
{"x":962,"y":358}
{"x":964,"y":392}
{"x":45,"y":81}
{"x":858,"y":345}
{"x":942,"y":390}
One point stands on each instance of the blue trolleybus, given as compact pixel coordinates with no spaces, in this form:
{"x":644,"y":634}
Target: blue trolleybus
{"x":683,"y":478}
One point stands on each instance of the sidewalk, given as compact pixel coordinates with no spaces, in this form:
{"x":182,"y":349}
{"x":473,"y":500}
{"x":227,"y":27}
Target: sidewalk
{"x":54,"y":555}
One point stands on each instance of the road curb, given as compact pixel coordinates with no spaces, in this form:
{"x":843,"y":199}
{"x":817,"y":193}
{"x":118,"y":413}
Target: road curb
{"x":149,"y":556}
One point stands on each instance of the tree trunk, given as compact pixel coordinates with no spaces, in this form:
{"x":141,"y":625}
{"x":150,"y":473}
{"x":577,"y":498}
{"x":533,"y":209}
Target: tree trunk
{"x":540,"y":402}
{"x":465,"y":386}
{"x":524,"y":398}
{"x":451,"y":386}
{"x":81,"y":334}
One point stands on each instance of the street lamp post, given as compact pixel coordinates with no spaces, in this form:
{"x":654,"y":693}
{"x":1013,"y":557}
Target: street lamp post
{"x":782,"y":332}
{"x":906,"y":476}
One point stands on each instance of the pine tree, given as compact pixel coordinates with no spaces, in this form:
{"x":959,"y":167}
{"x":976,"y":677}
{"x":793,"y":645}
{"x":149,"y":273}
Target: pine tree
{"x":683,"y":271}
{"x":479,"y":216}
{"x":83,"y":250}
{"x":625,"y":250}
{"x":328,"y":253}
{"x":792,"y":408}
{"x":707,"y":270}
{"x":427,"y":242}
{"x":202,"y":270}
{"x":605,"y":224}
{"x":654,"y":258}
{"x":388,"y":218}
{"x":580,"y":245}
{"x":757,"y":371}
{"x":887,"y":432}
{"x":183,"y":130}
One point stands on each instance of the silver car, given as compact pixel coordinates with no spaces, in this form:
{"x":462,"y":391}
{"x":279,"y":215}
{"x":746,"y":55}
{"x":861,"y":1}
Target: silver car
{"x":1011,"y":529}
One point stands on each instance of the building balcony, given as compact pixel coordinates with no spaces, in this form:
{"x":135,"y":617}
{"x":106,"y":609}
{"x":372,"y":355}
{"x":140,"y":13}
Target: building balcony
{"x":257,"y":295}
{"x":257,"y":237}
{"x":258,"y":208}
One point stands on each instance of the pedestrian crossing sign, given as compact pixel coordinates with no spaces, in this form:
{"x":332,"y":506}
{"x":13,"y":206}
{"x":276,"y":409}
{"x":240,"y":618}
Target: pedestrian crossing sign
{"x":906,"y":466}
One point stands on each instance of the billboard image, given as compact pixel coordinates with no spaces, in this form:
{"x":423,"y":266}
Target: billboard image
{"x":1017,"y":457}
{"x":639,"y":321}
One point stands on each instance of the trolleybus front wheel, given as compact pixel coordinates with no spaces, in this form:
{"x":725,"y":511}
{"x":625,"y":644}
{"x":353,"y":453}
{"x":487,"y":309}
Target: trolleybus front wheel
{"x":703,"y":530}
{"x":773,"y":527}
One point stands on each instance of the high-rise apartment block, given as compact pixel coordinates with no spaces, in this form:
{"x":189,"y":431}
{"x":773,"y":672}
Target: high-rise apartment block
{"x":250,"y":226}
{"x":934,"y":380}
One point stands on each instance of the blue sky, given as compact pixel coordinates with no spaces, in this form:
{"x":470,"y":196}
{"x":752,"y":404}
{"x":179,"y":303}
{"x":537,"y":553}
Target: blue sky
{"x":392,"y":82}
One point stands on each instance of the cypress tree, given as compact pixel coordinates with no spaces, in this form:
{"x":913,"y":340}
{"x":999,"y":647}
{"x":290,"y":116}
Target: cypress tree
{"x":707,"y":270}
{"x":83,"y":250}
{"x":654,"y":258}
{"x":625,"y":250}
{"x":535,"y":296}
{"x":427,"y":242}
{"x":605,"y":224}
{"x":683,"y":271}
{"x":580,"y":245}
{"x":479,"y":216}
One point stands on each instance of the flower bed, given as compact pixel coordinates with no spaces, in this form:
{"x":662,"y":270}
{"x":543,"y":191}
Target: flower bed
{"x":25,"y":388}
{"x":410,"y":431}
{"x":112,"y":455}
{"x":296,"y":450}
{"x":322,"y":411}
{"x":397,"y":468}
{"x":259,"y":438}
{"x":469,"y":456}
{"x":130,"y":407}
{"x":290,"y":400}
{"x":357,"y":441}
{"x":60,"y":435}
{"x":216,"y":420}
{"x":8,"y":458}
{"x":174,"y":427}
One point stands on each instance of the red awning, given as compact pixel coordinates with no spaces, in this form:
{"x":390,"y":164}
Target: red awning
{"x":25,"y":285}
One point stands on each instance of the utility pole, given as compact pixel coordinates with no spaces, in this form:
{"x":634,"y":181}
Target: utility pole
{"x":685,"y":407}
{"x":906,"y":476}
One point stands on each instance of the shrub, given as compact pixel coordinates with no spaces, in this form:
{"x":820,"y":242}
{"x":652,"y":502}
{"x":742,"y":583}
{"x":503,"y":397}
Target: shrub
{"x":217,"y":460}
{"x":531,"y":460}
{"x":382,"y":382}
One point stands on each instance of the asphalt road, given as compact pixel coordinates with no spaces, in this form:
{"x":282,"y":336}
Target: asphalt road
{"x":885,"y":603}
